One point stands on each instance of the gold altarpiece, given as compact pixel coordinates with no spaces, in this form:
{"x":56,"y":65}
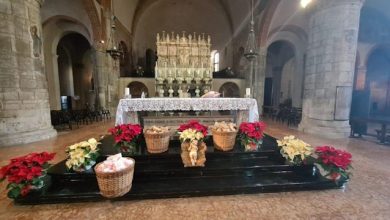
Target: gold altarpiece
{"x":184,"y":66}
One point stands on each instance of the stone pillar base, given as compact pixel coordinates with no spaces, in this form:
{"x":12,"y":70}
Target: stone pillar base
{"x":27,"y":137}
{"x":328,"y":129}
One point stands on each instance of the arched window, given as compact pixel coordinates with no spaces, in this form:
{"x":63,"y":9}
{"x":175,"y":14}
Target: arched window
{"x":215,"y":59}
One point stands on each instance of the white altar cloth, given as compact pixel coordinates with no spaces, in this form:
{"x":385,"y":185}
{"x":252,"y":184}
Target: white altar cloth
{"x":128,"y":108}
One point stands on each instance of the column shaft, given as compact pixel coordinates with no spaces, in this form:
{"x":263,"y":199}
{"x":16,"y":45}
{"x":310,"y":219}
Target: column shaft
{"x":330,"y":65}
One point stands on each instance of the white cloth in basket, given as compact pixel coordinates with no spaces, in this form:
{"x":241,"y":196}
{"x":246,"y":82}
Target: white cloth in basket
{"x":115,"y":163}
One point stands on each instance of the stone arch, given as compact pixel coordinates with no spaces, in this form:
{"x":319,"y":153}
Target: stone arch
{"x":75,"y":69}
{"x":297,"y":38}
{"x":281,"y":63}
{"x":230,"y":89}
{"x":377,"y":80}
{"x":54,"y":29}
{"x":372,"y":49}
{"x":65,"y":25}
{"x":136,"y":89}
{"x":266,"y":21}
{"x":94,"y":18}
{"x":300,"y":36}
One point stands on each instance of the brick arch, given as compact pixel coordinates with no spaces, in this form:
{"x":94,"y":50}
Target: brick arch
{"x":230,"y":89}
{"x":266,"y":22}
{"x":136,"y":89}
{"x":93,"y":15}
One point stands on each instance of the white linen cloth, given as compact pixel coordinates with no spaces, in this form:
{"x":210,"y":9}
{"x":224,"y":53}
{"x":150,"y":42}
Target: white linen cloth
{"x":128,"y":108}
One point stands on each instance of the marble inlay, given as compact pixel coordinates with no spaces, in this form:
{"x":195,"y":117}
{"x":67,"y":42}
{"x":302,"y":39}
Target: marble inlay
{"x":367,"y":196}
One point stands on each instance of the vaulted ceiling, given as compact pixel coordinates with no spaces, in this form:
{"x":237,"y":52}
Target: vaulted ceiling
{"x":235,"y":11}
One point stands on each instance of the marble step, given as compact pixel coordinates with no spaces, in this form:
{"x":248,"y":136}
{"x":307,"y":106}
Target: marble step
{"x":157,"y":188}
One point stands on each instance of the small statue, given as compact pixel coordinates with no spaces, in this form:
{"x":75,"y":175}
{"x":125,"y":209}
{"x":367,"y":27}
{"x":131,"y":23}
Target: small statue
{"x":161,"y":93}
{"x":193,"y":151}
{"x":197,"y":91}
{"x":37,"y":42}
{"x":170,"y":91}
{"x":140,"y":71}
{"x":180,"y":92}
{"x":163,"y":36}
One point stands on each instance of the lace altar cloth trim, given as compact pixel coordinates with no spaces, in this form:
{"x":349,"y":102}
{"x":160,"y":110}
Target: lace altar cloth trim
{"x":127,"y":107}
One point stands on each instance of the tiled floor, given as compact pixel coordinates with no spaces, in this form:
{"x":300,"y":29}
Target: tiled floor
{"x":367,"y":196}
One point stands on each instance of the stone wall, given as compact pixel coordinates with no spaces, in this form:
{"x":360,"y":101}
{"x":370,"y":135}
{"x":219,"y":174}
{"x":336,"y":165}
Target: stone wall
{"x":24,"y":102}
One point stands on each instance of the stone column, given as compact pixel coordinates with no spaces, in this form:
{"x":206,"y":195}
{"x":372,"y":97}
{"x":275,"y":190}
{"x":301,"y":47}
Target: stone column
{"x":100,"y":76}
{"x":24,"y":100}
{"x":330,"y":64}
{"x":277,"y":84}
{"x":259,"y":79}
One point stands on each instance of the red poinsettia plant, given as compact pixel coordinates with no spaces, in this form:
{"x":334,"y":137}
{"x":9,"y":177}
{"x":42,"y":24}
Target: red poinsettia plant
{"x":25,"y":173}
{"x":251,"y":134}
{"x":336,"y":163}
{"x":194,"y":124}
{"x":126,"y":136}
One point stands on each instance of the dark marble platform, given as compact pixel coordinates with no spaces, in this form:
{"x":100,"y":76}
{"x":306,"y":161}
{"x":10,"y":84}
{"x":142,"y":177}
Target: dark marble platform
{"x":163,"y":176}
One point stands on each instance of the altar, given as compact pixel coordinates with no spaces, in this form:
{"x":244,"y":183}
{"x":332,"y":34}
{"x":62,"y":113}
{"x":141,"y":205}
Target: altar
{"x":128,"y":109}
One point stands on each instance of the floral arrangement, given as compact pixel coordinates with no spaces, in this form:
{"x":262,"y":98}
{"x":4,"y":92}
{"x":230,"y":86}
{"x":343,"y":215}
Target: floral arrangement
{"x":294,"y":149}
{"x":126,"y":137}
{"x":251,"y":134}
{"x":25,"y":173}
{"x":336,"y":163}
{"x":82,"y":156}
{"x":193,"y":130}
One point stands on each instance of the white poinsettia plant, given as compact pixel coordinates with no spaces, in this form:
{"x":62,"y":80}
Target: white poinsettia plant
{"x":294,"y":149}
{"x":191,"y":134}
{"x":83,"y":155}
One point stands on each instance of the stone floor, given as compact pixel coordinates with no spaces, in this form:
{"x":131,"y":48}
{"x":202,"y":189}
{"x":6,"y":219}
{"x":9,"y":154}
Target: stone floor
{"x":367,"y":196}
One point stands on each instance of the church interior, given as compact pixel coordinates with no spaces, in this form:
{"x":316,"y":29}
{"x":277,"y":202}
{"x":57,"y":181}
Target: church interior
{"x":77,"y":70}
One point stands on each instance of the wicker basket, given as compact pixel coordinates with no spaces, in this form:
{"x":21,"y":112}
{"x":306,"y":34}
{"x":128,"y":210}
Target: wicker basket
{"x":116,"y":184}
{"x":223,"y":140}
{"x":157,"y":143}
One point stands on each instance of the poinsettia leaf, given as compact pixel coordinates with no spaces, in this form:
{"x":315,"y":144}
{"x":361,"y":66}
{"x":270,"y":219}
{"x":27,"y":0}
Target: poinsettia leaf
{"x":36,"y":181}
{"x":11,"y":185}
{"x":344,"y":175}
{"x":46,"y":165}
{"x":14,"y":193}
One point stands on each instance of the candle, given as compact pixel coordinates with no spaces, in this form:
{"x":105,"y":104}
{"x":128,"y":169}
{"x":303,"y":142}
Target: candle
{"x":127,"y":91}
{"x":248,"y":91}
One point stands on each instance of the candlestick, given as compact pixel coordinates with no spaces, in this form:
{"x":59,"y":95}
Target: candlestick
{"x":248,"y":93}
{"x":127,"y":91}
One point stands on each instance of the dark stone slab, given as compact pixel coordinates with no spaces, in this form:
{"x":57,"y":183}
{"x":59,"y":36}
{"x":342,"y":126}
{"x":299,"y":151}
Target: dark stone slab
{"x":163,"y":176}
